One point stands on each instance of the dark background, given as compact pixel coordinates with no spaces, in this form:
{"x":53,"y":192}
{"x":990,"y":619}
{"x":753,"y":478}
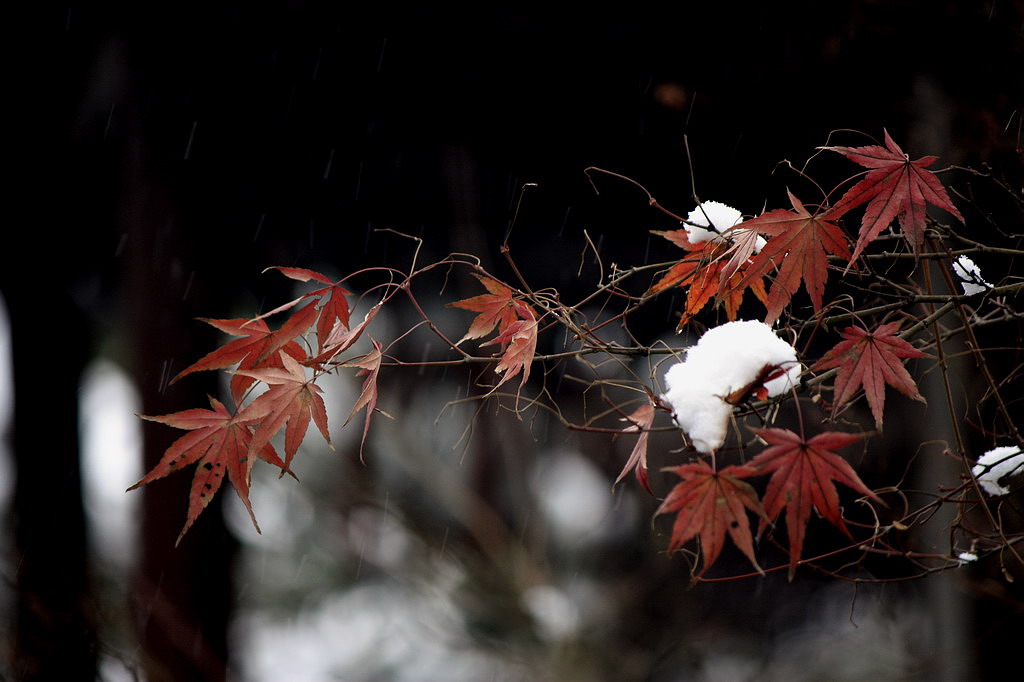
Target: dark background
{"x":167,"y":152}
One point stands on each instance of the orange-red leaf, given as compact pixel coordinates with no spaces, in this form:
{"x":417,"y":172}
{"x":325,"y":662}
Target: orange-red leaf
{"x":516,"y":326}
{"x":370,"y":366}
{"x":342,"y":338}
{"x":702,"y":272}
{"x":257,"y":347}
{"x":803,"y":472}
{"x":333,"y":304}
{"x":895,"y":186}
{"x":520,"y":342}
{"x":221,"y":444}
{"x":641,"y":420}
{"x":709,"y":503}
{"x":497,"y":309}
{"x":799,"y":248}
{"x":291,"y":400}
{"x":871,"y":360}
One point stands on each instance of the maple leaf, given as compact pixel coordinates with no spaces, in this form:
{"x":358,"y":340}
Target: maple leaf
{"x":894,"y":187}
{"x":803,"y":472}
{"x":799,"y":248}
{"x":641,"y":420}
{"x":709,"y":503}
{"x":516,"y":327}
{"x":257,"y":347}
{"x":291,"y":400}
{"x":369,"y":365}
{"x":334,"y":307}
{"x":497,"y":309}
{"x":702,"y":273}
{"x":221,"y":443}
{"x":871,"y":360}
{"x":520,"y":343}
{"x":342,"y":338}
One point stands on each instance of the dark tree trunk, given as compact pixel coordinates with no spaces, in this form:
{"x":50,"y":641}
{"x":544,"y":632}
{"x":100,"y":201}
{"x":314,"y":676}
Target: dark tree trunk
{"x":53,"y":633}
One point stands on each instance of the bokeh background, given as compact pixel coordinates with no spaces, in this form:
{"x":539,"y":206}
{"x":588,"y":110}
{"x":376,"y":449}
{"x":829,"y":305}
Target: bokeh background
{"x":166,"y":153}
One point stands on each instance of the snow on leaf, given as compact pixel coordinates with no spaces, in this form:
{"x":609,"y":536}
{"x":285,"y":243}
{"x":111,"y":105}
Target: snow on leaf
{"x":291,"y":400}
{"x":641,"y":420}
{"x":970,"y":276}
{"x":729,"y":362}
{"x":708,"y":504}
{"x":996,"y":464}
{"x":894,"y":187}
{"x":871,"y":360}
{"x":803,"y":472}
{"x":220,"y":443}
{"x":799,"y":245}
{"x":369,"y":365}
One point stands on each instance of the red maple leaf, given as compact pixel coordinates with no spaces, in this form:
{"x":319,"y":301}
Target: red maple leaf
{"x":641,"y":420}
{"x":342,"y":338}
{"x":257,"y":348}
{"x":221,"y":443}
{"x":703,"y":271}
{"x":291,"y":400}
{"x":369,"y":365}
{"x":871,"y":360}
{"x":497,"y":309}
{"x":709,"y":503}
{"x":799,"y":248}
{"x":516,"y":327}
{"x":895,"y":186}
{"x":333,"y":304}
{"x":520,"y":343}
{"x":802,"y":479}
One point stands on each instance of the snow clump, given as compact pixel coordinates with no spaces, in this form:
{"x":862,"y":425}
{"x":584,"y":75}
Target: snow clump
{"x":996,"y":464}
{"x":719,"y":217}
{"x":970,"y":276}
{"x":726,"y":359}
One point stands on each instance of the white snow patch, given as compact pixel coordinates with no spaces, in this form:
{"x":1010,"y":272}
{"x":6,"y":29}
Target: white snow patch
{"x":719,"y":217}
{"x":726,"y":359}
{"x":970,"y":276}
{"x":996,"y":464}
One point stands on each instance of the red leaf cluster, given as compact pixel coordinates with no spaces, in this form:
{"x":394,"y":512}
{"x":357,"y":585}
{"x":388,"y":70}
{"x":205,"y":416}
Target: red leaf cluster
{"x":516,"y":325}
{"x":225,"y":442}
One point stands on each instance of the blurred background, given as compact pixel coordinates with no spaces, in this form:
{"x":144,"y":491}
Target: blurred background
{"x":166,"y":153}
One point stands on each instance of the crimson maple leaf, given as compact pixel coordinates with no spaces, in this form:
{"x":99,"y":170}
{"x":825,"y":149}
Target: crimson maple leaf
{"x":221,"y":443}
{"x":803,"y":472}
{"x":709,"y":503}
{"x":895,"y":186}
{"x":369,"y":366}
{"x":641,"y":420}
{"x":799,"y":248}
{"x":257,"y":348}
{"x":334,"y":307}
{"x":871,"y":360}
{"x":292,"y":399}
{"x":703,"y":271}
